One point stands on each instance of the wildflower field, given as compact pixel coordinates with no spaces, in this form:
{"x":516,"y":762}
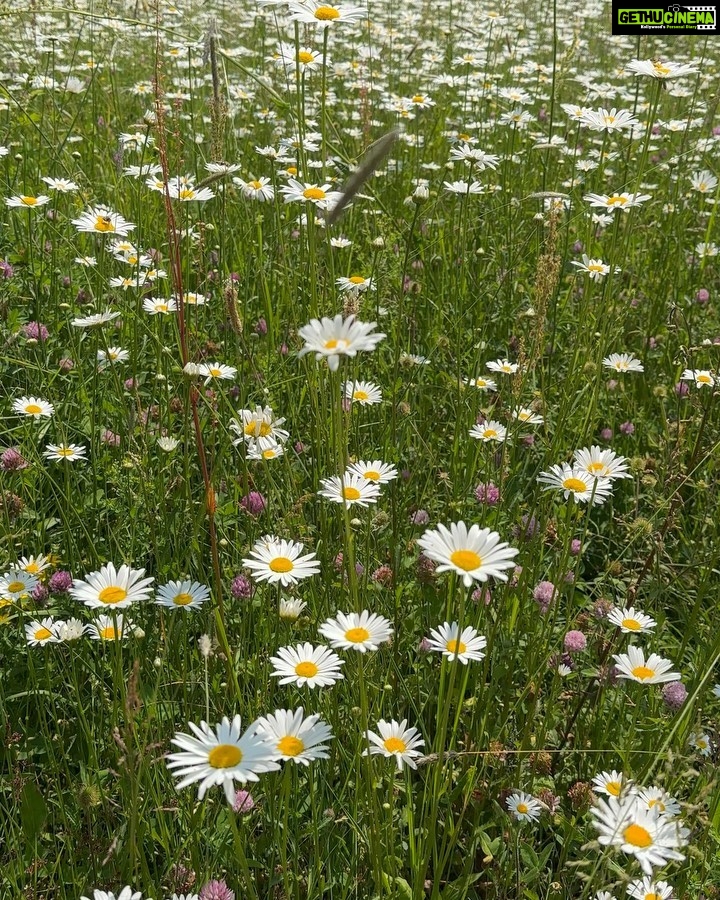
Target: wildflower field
{"x":358,"y":454}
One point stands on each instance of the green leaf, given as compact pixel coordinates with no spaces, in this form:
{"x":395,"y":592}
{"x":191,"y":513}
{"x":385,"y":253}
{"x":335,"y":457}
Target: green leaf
{"x":33,"y":812}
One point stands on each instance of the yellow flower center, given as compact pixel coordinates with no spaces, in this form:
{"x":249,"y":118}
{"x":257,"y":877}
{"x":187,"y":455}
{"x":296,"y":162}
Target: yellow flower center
{"x":108,"y":633}
{"x":255,"y":184}
{"x":327,"y":13}
{"x":161,"y":307}
{"x":418,"y":98}
{"x":216,"y":373}
{"x":186,"y":194}
{"x":65,"y":451}
{"x":103,"y":223}
{"x":609,"y":120}
{"x":490,"y":433}
{"x":661,"y":69}
{"x":395,"y":745}
{"x":33,"y":409}
{"x":305,"y":57}
{"x":182,"y":599}
{"x":522,"y":808}
{"x":653,"y":897}
{"x":574,"y":484}
{"x":32,"y":567}
{"x":467,"y":560}
{"x":112,"y":595}
{"x":290,"y":746}
{"x":456,"y":647}
{"x":372,"y":475}
{"x":15,"y":586}
{"x":281,"y":564}
{"x":660,"y":805}
{"x":351,"y":493}
{"x":356,"y":279}
{"x":29,"y":201}
{"x":704,"y":379}
{"x":631,"y":624}
{"x":643,"y":672}
{"x":291,"y":170}
{"x":225,"y":756}
{"x":613,"y":787}
{"x":465,"y":137}
{"x":595,"y":267}
{"x":42,"y":634}
{"x":357,"y":635}
{"x":314,"y":193}
{"x":306,"y":669}
{"x":268,"y":454}
{"x":612,"y":201}
{"x":258,"y":429}
{"x":594,"y":467}
{"x":637,"y":836}
{"x":361,"y":395}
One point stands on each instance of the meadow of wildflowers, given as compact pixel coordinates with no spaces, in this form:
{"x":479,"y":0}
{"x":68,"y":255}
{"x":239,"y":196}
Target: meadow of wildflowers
{"x":359,"y":453}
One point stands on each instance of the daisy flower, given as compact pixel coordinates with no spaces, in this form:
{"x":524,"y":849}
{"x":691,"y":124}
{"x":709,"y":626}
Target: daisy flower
{"x":395,"y":740}
{"x":112,"y":355}
{"x":33,"y":565}
{"x":216,"y":371}
{"x":186,"y":594}
{"x":333,"y":338}
{"x":653,"y":670}
{"x":259,"y":189}
{"x":279,"y":561}
{"x":527,"y":416}
{"x":503,"y":366}
{"x":349,"y":489}
{"x":126,"y":893}
{"x":465,"y":646}
{"x":158,"y":306}
{"x":102,"y":220}
{"x":320,"y":196}
{"x":117,"y":588}
{"x":65,"y":452}
{"x":701,"y":377}
{"x":33,"y":407}
{"x":464,"y":187}
{"x":304,"y":664}
{"x":662,"y":70}
{"x":376,"y":471}
{"x":596,"y":269}
{"x":623,"y":201}
{"x":701,"y":743}
{"x":188,"y":193}
{"x":40,"y":633}
{"x":355,"y":284}
{"x":623,"y":362}
{"x":265,"y":449}
{"x":356,"y":631}
{"x":95,"y":319}
{"x":258,"y":423}
{"x":290,"y":609}
{"x":482,"y":384}
{"x":475,"y":553}
{"x":651,"y":838}
{"x":109,"y":628}
{"x":630,"y":620}
{"x":524,"y":807}
{"x":293,"y":737}
{"x":316,"y":12}
{"x":28,"y":202}
{"x":583,"y":486}
{"x":657,"y":798}
{"x":613,"y":784}
{"x":363,"y":392}
{"x":221,"y":757}
{"x":601,"y":463}
{"x":63,"y":185}
{"x":489,"y":431}
{"x":649,"y":889}
{"x":16,"y":584}
{"x":71,"y":629}
{"x":609,"y":120}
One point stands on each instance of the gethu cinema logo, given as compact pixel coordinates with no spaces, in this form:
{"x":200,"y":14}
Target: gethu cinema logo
{"x":678,"y":16}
